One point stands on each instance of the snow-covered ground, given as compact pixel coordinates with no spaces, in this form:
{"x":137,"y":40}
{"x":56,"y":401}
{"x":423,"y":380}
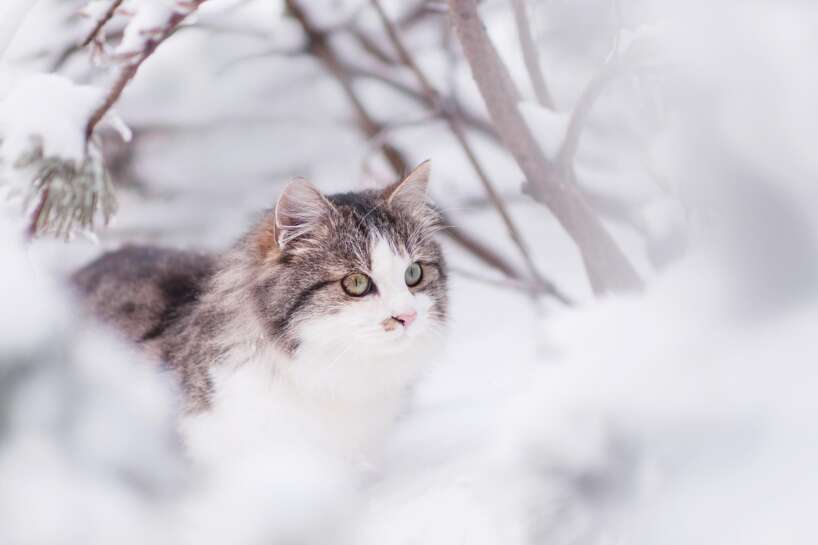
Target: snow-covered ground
{"x":683,"y":415}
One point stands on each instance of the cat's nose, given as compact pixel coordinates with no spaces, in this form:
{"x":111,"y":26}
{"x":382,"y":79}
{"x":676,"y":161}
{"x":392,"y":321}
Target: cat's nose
{"x":406,"y":318}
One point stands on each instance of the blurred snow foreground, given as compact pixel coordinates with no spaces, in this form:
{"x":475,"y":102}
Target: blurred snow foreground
{"x":684,"y":414}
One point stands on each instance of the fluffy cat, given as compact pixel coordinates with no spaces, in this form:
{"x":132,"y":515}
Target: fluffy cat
{"x":316,"y":321}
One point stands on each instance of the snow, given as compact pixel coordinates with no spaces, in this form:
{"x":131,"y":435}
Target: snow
{"x":86,"y":422}
{"x":682,"y":415}
{"x":148,"y":18}
{"x":50,"y":108}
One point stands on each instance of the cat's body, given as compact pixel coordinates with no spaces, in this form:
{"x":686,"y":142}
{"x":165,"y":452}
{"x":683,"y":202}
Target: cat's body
{"x":314,"y":323}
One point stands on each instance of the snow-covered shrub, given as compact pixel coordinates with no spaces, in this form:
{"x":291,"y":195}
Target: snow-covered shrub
{"x":680,"y":415}
{"x":88,"y":451}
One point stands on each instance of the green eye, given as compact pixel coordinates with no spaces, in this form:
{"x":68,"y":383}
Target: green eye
{"x":413,"y":274}
{"x":356,"y":284}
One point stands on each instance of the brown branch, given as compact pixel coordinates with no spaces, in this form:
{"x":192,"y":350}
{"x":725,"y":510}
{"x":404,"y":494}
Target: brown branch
{"x":607,"y":267}
{"x":369,"y":45}
{"x":502,"y":283}
{"x":530,"y":55}
{"x":470,"y":120}
{"x":34,"y":224}
{"x":318,"y":46}
{"x":129,"y":71}
{"x":433,"y":99}
{"x":101,"y":22}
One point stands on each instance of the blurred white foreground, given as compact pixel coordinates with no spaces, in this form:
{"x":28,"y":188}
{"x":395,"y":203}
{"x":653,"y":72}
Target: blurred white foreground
{"x":684,"y":415}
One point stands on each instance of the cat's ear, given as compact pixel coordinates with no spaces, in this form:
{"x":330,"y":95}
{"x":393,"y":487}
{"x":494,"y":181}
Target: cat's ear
{"x":410,"y":193}
{"x":299,"y":208}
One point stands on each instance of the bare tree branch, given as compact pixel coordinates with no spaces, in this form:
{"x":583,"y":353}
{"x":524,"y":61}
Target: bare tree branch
{"x":129,"y":70}
{"x":445,"y":106}
{"x":318,"y":46}
{"x":370,"y":46}
{"x":531,"y":55}
{"x":109,"y":13}
{"x":607,"y":267}
{"x":433,"y":98}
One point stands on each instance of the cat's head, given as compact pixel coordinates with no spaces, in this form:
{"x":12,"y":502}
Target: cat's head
{"x":357,"y":273}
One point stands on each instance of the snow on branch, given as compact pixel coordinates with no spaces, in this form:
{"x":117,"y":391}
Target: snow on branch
{"x":101,"y":20}
{"x":49,"y":153}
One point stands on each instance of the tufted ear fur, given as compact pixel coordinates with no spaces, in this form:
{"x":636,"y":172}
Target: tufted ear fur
{"x":299,"y":208}
{"x":410,"y":193}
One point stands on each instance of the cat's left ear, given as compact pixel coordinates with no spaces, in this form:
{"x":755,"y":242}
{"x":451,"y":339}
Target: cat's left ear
{"x":410,"y":193}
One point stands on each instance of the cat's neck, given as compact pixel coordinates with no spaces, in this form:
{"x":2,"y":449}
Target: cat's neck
{"x":257,"y":403}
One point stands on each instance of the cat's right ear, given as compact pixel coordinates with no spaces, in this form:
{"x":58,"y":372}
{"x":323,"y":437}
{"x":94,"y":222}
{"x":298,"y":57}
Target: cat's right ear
{"x":299,"y":208}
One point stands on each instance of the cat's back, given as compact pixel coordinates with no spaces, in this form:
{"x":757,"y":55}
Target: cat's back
{"x":143,"y":290}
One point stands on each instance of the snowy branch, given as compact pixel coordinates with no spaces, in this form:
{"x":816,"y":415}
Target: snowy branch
{"x":129,"y":70}
{"x":101,"y":22}
{"x":318,"y":45}
{"x":433,"y":99}
{"x":607,"y":267}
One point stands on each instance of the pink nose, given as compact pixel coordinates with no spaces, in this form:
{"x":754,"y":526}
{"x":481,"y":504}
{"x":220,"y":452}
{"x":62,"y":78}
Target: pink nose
{"x":406,"y":318}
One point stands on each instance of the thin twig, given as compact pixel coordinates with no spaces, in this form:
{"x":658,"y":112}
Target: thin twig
{"x":506,"y":283}
{"x":434,"y":99}
{"x":129,"y":71}
{"x":35,"y":216}
{"x":608,"y":269}
{"x":318,"y":46}
{"x":451,"y":106}
{"x":277,"y":51}
{"x":101,"y":22}
{"x":370,"y":46}
{"x":531,"y":56}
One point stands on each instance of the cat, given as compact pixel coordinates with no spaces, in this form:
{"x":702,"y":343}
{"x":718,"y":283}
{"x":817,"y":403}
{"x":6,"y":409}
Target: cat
{"x":317,"y":320}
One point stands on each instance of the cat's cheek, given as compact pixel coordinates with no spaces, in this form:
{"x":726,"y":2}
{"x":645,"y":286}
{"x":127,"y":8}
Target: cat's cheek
{"x":423,"y":305}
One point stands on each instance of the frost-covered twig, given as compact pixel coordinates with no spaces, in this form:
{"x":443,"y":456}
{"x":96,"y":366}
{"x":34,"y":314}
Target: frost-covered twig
{"x":71,"y":184}
{"x":433,"y":99}
{"x":531,"y":56}
{"x":101,"y":22}
{"x":607,"y":266}
{"x":128,"y":71}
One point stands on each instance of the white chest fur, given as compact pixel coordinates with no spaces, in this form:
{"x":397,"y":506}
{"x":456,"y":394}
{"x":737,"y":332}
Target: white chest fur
{"x":266,"y":400}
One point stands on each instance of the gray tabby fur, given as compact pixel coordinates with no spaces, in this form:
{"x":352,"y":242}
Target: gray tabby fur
{"x":190,"y":309}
